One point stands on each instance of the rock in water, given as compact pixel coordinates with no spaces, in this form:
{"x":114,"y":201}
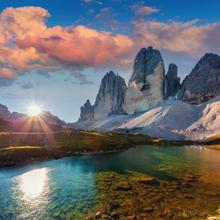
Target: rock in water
{"x":87,"y":112}
{"x":111,"y":96}
{"x":203,"y":83}
{"x":146,"y":86}
{"x":172,"y":81}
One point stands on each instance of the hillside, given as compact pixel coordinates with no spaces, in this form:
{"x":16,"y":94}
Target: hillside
{"x":172,"y":119}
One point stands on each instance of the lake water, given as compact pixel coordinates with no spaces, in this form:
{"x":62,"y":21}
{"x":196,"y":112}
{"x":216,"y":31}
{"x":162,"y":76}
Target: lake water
{"x":50,"y":189}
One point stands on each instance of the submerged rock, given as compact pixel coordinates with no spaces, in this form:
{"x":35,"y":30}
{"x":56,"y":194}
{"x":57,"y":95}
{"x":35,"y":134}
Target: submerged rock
{"x":203,"y":83}
{"x":123,"y":185}
{"x":146,"y":86}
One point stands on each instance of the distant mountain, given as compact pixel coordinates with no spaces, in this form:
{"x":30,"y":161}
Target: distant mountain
{"x":51,"y":119}
{"x":22,"y":123}
{"x":86,"y":112}
{"x":4,"y":112}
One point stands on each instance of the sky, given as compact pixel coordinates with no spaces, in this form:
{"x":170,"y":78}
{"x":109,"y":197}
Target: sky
{"x":55,"y":53}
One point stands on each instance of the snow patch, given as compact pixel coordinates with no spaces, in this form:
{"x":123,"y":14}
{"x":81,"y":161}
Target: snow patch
{"x":172,"y":119}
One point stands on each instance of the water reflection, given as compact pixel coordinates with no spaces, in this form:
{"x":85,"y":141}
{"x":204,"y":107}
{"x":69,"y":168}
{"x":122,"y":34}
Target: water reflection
{"x":59,"y":188}
{"x":33,"y":184}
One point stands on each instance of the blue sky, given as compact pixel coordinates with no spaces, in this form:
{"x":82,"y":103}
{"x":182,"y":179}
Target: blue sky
{"x":182,"y":30}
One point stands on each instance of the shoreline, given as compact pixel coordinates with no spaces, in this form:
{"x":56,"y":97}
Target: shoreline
{"x":63,"y":155}
{"x":17,"y":151}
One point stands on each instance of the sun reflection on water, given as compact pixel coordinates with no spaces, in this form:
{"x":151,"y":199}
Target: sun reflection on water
{"x":34,"y":184}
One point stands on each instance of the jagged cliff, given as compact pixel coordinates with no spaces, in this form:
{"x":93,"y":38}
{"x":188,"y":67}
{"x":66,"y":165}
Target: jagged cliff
{"x":203,"y":83}
{"x":86,"y":112}
{"x":111,"y":96}
{"x":172,"y":81}
{"x":146,"y":86}
{"x":109,"y":100}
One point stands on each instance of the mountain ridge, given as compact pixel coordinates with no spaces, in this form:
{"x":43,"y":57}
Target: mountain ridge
{"x":187,"y":114}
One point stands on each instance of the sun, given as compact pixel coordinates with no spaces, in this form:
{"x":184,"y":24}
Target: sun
{"x":34,"y":110}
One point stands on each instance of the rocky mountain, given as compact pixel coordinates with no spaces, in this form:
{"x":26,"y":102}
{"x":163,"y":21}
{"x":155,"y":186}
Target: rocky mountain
{"x":146,"y":86}
{"x":172,"y":120}
{"x":15,"y":116}
{"x":150,"y":110}
{"x":109,"y":100}
{"x":4,"y":112}
{"x":86,"y":112}
{"x":23,"y":123}
{"x":172,"y":81}
{"x":49,"y":118}
{"x":203,"y":83}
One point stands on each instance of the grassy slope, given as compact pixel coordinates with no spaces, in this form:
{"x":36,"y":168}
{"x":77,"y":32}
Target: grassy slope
{"x":19,"y":148}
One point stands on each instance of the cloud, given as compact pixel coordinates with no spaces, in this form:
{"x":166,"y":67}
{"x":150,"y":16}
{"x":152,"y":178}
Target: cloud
{"x":27,"y":85}
{"x":184,"y":37}
{"x":81,"y":78}
{"x":142,"y":11}
{"x":78,"y":46}
{"x":92,"y":1}
{"x":27,"y":44}
{"x":105,"y":13}
{"x":6,"y":73}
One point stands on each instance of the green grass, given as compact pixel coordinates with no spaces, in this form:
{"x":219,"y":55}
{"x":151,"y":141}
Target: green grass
{"x":18,"y":148}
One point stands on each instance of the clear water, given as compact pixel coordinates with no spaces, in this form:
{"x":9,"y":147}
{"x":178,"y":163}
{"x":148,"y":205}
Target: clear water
{"x":50,"y":190}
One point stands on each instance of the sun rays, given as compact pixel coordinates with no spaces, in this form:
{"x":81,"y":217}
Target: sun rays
{"x":36,"y":123}
{"x":34,"y":110}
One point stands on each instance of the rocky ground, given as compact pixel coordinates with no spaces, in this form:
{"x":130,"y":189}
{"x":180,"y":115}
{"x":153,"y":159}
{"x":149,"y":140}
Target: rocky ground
{"x":137,"y":196}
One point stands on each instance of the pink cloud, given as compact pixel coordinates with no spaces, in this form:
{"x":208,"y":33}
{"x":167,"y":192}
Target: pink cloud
{"x":79,"y":46}
{"x":23,"y":21}
{"x":184,"y":37}
{"x":26,"y":43}
{"x":141,"y":11}
{"x":6,"y":73}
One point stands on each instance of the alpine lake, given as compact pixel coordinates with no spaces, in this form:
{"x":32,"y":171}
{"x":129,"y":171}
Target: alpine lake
{"x":146,"y":182}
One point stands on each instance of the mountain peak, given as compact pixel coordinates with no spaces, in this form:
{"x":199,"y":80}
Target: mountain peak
{"x":146,"y":85}
{"x":203,"y":83}
{"x":111,"y":95}
{"x":87,"y":111}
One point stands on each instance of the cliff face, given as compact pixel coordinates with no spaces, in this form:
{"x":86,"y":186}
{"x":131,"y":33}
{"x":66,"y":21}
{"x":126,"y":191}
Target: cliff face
{"x":146,"y":86}
{"x":111,"y":96}
{"x":172,"y":81}
{"x":203,"y":83}
{"x":87,"y":112}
